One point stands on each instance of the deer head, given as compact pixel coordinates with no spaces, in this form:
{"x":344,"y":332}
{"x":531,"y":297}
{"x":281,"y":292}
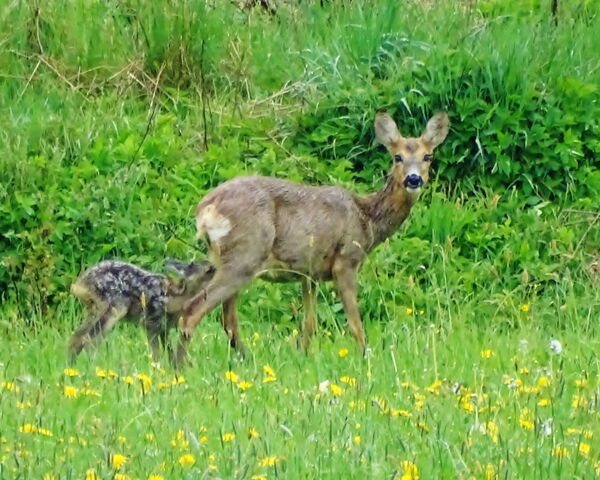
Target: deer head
{"x":412,"y":156}
{"x":192,"y":275}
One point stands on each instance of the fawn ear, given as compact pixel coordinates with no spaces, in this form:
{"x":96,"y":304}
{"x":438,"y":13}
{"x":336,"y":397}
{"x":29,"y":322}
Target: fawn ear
{"x":436,"y":130}
{"x":387,"y":132}
{"x":175,"y":266}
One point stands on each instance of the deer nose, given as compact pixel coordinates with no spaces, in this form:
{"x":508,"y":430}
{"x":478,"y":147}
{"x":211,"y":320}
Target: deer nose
{"x":413,"y":181}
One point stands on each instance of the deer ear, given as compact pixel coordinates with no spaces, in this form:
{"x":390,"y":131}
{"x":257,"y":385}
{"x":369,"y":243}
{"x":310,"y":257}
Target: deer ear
{"x":436,"y":130}
{"x":387,"y":132}
{"x":176,"y":267}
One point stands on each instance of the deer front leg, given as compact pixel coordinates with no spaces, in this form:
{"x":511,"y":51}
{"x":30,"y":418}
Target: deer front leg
{"x":158,"y":335}
{"x":225,"y":284}
{"x":309,"y":299}
{"x":230,"y":324}
{"x":345,"y":277}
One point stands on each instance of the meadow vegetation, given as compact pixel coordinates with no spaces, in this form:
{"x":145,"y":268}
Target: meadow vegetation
{"x":117,"y":116}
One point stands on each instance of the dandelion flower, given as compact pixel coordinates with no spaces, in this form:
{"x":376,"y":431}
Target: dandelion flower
{"x":525,"y":307}
{"x":90,"y":474}
{"x":584,"y":449}
{"x":69,"y":391}
{"x":336,"y":389}
{"x":228,"y":437}
{"x":118,"y":460}
{"x":410,"y":471}
{"x":270,"y":375}
{"x":71,"y":372}
{"x":253,"y":433}
{"x":244,"y":385}
{"x":350,"y":381}
{"x":258,"y":477}
{"x":487,"y":353}
{"x":231,"y":376}
{"x":357,"y":439}
{"x":156,"y":477}
{"x":268,"y":461}
{"x":187,"y":460}
{"x":343,"y":352}
{"x":543,"y":382}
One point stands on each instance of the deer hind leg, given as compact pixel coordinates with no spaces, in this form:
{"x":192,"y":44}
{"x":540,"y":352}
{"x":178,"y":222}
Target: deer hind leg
{"x":230,"y":324}
{"x":309,"y":300}
{"x":345,"y":276}
{"x":96,"y":327}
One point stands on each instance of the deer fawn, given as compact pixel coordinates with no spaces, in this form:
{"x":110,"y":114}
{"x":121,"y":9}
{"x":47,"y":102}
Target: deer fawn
{"x":283,"y":231}
{"x":112,"y":290}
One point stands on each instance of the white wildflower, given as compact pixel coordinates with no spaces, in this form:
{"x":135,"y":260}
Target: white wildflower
{"x":555,"y":347}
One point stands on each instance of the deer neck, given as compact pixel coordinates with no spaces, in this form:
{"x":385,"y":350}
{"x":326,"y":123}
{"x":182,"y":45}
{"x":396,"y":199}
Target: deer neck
{"x":387,"y":209}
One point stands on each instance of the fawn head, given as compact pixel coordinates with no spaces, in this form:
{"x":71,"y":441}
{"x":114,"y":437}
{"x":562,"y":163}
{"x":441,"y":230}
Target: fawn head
{"x":412,"y":156}
{"x":192,"y":275}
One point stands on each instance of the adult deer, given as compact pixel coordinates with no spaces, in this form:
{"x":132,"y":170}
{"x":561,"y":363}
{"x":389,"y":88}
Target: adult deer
{"x":283,"y":231}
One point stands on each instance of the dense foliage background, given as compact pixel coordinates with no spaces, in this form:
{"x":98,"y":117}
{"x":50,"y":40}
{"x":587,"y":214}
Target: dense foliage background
{"x":118,"y":116}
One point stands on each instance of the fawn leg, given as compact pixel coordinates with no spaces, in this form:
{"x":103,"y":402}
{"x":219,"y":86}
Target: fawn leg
{"x":230,"y":324}
{"x":345,"y":276}
{"x":309,"y":300}
{"x":91,"y":332}
{"x":158,"y":335}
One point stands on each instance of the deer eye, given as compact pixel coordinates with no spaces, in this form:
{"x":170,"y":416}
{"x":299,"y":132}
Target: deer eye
{"x":427,"y":158}
{"x":398,"y":158}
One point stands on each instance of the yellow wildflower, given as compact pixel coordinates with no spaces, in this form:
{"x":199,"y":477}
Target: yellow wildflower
{"x":228,"y":437}
{"x":434,"y":387}
{"x":121,"y":476}
{"x":187,"y":460}
{"x":490,"y":472}
{"x":581,"y":382}
{"x":145,"y":382}
{"x":270,"y":375}
{"x":118,"y":460}
{"x":156,"y":477}
{"x":584,"y":449}
{"x":544,"y":402}
{"x":244,"y":385}
{"x":128,"y":379}
{"x":400,"y":413}
{"x":487,"y":353}
{"x":357,"y":439}
{"x":10,"y":386}
{"x":258,"y":477}
{"x":253,"y":433}
{"x":336,"y":389}
{"x":69,"y":391}
{"x":524,"y":307}
{"x":351,"y":381}
{"x":71,"y":372}
{"x":543,"y":382}
{"x":410,"y":471}
{"x":343,"y":352}
{"x":268,"y":461}
{"x":231,"y":376}
{"x":90,"y":474}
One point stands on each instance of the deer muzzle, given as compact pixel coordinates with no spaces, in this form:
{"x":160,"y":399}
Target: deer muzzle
{"x":413,"y":181}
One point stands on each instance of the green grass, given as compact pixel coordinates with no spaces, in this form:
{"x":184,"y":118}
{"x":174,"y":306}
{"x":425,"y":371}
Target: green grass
{"x":427,"y":394}
{"x":117,"y":117}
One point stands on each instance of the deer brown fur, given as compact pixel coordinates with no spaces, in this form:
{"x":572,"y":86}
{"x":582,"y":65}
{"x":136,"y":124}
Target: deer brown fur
{"x":283,"y":231}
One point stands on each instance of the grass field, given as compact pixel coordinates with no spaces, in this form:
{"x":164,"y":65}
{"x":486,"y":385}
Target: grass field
{"x":481,"y":314}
